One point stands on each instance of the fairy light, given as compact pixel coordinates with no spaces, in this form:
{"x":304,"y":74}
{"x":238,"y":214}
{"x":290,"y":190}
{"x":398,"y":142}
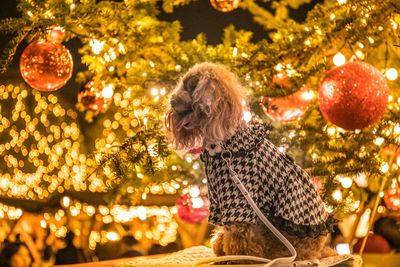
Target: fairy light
{"x":247,"y":116}
{"x":339,"y":59}
{"x":307,"y":95}
{"x":197,"y":202}
{"x":54,"y":154}
{"x":384,"y":167}
{"x":194,"y":191}
{"x":43,"y":224}
{"x":346,"y":182}
{"x":96,"y":46}
{"x":337,"y":195}
{"x":379,"y":141}
{"x":343,"y":248}
{"x":112,"y":236}
{"x":234,"y":52}
{"x":108,"y":91}
{"x":65,"y":202}
{"x":154,"y":91}
{"x":371,"y":40}
{"x":331,"y":131}
{"x":342,"y":2}
{"x":360,"y":54}
{"x":391,"y":74}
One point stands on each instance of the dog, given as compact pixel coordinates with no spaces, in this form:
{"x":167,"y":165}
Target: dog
{"x":206,"y":109}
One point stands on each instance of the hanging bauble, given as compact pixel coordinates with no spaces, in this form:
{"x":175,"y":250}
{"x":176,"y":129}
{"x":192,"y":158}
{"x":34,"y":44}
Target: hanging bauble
{"x":95,"y":98}
{"x":286,"y":108}
{"x":353,"y":96}
{"x":225,"y":5}
{"x":56,"y":34}
{"x":392,"y":198}
{"x":192,"y":208}
{"x":45,"y":65}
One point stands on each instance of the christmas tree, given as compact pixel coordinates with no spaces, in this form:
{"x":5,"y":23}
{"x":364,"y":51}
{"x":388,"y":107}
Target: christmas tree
{"x":349,"y":138}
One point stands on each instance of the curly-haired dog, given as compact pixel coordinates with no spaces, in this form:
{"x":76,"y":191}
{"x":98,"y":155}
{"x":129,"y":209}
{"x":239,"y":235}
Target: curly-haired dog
{"x":206,"y":110}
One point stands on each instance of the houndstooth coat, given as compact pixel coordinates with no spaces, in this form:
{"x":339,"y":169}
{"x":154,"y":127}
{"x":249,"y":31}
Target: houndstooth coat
{"x":280,"y":188}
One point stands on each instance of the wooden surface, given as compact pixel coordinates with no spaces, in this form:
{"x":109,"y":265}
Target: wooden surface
{"x":370,"y":260}
{"x":110,"y":263}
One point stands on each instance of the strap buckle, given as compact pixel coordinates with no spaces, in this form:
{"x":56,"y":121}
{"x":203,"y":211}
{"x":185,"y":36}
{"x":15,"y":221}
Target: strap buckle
{"x":226,"y":155}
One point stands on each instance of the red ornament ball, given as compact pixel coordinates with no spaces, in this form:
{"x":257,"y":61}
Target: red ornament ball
{"x":192,"y":209}
{"x":225,"y":5}
{"x":46,"y":66}
{"x":353,"y":96}
{"x":93,"y":98}
{"x":392,"y":198}
{"x":287,"y":108}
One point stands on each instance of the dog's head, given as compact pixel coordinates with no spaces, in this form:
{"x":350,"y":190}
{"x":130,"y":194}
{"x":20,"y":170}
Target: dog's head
{"x":206,"y":106}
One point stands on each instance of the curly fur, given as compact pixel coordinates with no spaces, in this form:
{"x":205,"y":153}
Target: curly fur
{"x":258,"y":240}
{"x":206,"y":108}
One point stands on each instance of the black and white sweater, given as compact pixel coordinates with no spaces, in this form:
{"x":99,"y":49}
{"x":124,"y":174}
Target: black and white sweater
{"x":280,"y":188}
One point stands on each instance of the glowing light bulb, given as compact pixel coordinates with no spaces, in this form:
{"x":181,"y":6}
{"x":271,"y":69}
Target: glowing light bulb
{"x":194,"y":191}
{"x":247,"y":116}
{"x":337,"y":195}
{"x":391,"y":74}
{"x":108,"y":91}
{"x":384,"y":168}
{"x":154,"y":91}
{"x":113,"y":236}
{"x":342,"y":2}
{"x":343,"y":248}
{"x":379,"y":141}
{"x":339,"y":59}
{"x":96,"y":46}
{"x":66,"y":201}
{"x":234,"y":52}
{"x":346,"y":182}
{"x":197,"y":202}
{"x":307,"y":95}
{"x":360,"y":54}
{"x":142,"y":213}
{"x":43,"y":224}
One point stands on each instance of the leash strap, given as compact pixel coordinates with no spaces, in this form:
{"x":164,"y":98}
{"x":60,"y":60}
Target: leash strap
{"x":226,"y":156}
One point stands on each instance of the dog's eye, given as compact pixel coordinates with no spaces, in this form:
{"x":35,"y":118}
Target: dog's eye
{"x":190,"y":84}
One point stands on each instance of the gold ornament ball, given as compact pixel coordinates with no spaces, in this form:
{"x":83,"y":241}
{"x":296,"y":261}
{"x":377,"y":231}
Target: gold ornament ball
{"x":45,"y":65}
{"x":225,"y":5}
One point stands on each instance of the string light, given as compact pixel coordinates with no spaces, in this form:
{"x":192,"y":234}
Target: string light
{"x":112,"y":236}
{"x":391,"y":74}
{"x":337,"y":195}
{"x":96,"y":45}
{"x":339,"y":59}
{"x":343,"y":248}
